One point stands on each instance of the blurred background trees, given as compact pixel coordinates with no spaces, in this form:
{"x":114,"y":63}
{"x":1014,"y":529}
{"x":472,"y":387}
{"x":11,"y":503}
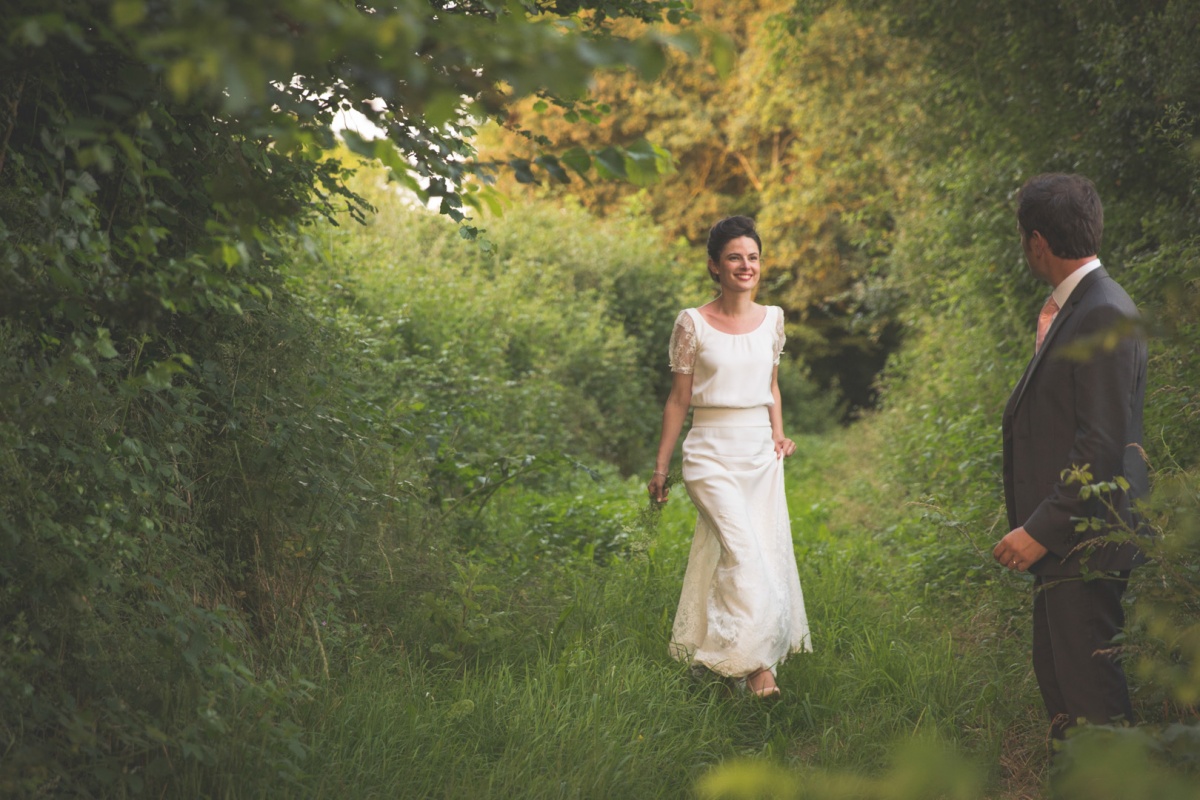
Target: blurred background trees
{"x":801,"y":136}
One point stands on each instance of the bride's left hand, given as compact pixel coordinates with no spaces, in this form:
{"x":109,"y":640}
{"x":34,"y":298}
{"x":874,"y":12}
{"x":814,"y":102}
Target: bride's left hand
{"x":784,"y":447}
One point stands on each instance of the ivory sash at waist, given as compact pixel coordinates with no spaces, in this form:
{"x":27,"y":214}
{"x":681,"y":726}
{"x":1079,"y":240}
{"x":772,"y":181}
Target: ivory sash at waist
{"x":755,"y":417}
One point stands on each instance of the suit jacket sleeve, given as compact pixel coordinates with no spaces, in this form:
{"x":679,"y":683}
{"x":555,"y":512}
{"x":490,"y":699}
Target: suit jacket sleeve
{"x":1104,"y":377}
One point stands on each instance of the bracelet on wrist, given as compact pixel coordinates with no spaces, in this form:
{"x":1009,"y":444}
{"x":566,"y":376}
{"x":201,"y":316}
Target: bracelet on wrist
{"x":657,"y":472}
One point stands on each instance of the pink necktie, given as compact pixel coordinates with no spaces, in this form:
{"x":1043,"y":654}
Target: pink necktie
{"x":1045,"y":317}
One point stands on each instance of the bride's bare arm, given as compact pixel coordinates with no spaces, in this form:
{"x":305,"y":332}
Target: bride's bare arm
{"x":674,"y":413}
{"x":783,"y":445}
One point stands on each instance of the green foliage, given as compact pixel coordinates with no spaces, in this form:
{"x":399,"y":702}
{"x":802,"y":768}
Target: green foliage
{"x":922,"y":769}
{"x":1165,"y":637}
{"x":512,"y":384}
{"x":149,"y":528}
{"x":1108,"y":763}
{"x":344,"y":513}
{"x":552,"y":341}
{"x":192,"y":471}
{"x":800,"y":135}
{"x":1011,"y":91}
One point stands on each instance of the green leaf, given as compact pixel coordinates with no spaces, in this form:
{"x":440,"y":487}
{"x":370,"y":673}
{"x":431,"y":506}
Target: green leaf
{"x":230,"y":255}
{"x":83,"y":361}
{"x":722,"y":54}
{"x":522,"y":171}
{"x":551,"y":165}
{"x":33,"y":32}
{"x":642,"y":162}
{"x":492,"y":198}
{"x":104,"y":345}
{"x":577,"y":159}
{"x":610,"y":163}
{"x":157,"y":734}
{"x":357,"y":144}
{"x":650,"y":59}
{"x":442,"y":107}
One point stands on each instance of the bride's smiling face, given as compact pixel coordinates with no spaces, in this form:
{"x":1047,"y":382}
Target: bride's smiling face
{"x":739,"y":267}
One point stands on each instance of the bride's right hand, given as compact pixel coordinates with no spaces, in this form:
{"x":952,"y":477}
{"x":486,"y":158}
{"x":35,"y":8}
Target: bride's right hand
{"x":657,"y":488}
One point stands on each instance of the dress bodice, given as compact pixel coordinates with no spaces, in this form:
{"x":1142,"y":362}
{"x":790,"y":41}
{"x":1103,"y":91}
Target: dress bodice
{"x":728,"y":370}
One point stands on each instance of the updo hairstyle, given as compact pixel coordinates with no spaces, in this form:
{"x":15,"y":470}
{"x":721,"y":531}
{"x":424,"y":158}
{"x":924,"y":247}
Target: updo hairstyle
{"x":725,"y":232}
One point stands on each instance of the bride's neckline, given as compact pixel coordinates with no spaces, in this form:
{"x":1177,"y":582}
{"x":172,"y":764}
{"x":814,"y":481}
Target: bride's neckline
{"x":761,"y":322}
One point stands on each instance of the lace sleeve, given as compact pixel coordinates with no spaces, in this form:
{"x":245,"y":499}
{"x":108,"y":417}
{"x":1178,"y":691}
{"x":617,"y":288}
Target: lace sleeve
{"x":683,"y":344}
{"x":780,"y":338}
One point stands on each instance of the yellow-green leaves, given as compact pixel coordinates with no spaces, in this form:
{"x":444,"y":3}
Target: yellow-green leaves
{"x":127,"y":13}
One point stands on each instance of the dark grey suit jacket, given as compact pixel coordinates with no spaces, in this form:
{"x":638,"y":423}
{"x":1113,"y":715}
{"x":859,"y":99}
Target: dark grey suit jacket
{"x":1079,"y":402}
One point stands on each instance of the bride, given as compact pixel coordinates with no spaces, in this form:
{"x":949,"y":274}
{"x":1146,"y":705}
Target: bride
{"x":741,"y":611}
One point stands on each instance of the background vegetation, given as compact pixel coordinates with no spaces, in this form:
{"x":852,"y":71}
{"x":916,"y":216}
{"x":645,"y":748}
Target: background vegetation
{"x":308,"y":494}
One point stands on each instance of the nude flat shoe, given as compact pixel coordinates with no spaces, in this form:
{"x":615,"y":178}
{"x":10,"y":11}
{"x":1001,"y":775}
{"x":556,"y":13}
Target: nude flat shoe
{"x":764,"y":692}
{"x":767,"y":693}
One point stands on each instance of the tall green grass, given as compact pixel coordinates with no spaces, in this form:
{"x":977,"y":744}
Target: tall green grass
{"x":585,"y":702}
{"x":500,"y":627}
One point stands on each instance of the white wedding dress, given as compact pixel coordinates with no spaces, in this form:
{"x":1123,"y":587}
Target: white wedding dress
{"x":741,"y":608}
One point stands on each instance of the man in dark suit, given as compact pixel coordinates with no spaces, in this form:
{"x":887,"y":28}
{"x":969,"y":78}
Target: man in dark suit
{"x":1078,"y":405}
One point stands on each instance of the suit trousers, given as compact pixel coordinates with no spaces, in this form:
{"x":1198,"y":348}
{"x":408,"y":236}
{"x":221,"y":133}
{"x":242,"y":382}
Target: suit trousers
{"x":1074,"y":623}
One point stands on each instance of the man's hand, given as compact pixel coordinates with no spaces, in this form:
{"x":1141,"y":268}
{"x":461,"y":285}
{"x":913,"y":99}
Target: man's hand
{"x":1018,"y":550}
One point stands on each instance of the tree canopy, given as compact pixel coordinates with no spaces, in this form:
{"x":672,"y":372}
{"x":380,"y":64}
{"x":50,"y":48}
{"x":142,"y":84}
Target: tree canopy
{"x":801,"y":136}
{"x":188,"y":133}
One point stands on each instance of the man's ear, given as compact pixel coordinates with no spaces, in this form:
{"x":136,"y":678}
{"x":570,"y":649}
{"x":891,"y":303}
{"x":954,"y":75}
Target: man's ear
{"x":1040,"y":241}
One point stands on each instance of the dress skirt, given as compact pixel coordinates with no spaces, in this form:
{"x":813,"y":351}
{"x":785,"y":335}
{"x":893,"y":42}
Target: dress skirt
{"x":741,"y":608}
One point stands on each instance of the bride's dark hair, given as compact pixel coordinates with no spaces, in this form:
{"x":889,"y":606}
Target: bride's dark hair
{"x":726,"y":231}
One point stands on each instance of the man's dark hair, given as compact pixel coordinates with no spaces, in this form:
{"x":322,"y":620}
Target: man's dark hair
{"x":1066,"y":210}
{"x":726,"y":231}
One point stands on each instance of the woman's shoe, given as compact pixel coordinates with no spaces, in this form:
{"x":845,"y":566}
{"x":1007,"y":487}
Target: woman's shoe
{"x":762,"y":684}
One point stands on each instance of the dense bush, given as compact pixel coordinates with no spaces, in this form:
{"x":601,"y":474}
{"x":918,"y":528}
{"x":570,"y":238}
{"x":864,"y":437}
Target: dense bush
{"x":191,"y":469}
{"x":552,"y":340}
{"x":158,"y":537}
{"x":1013,"y":92}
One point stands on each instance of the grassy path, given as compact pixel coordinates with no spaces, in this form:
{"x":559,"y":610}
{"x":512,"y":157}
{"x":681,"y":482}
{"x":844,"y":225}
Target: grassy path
{"x":593,"y":707}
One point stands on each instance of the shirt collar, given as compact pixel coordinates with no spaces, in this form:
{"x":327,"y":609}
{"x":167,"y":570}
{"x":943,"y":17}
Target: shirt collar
{"x":1062,"y":292}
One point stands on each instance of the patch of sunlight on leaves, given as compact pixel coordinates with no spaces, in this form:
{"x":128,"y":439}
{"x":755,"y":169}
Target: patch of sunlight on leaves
{"x":922,"y":769}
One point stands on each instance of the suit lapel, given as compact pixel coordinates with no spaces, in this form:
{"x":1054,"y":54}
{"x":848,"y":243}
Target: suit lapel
{"x":1059,"y":320}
